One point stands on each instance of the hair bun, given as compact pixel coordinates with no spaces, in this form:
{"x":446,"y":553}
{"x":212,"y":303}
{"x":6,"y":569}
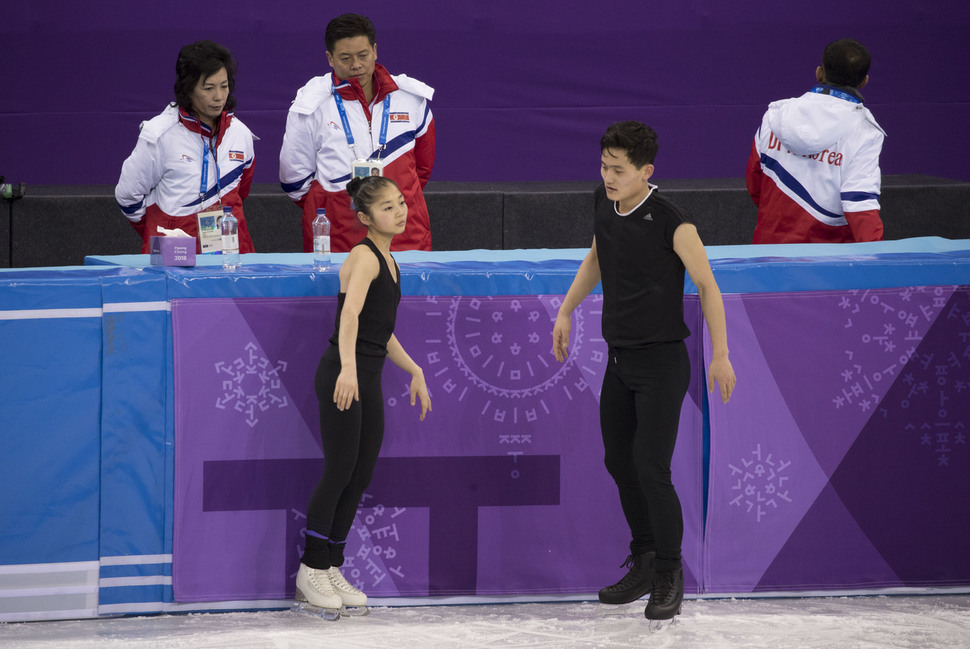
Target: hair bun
{"x":365,"y":190}
{"x":354,"y":186}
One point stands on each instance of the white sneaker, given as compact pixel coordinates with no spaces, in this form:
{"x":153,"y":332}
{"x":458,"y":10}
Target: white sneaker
{"x":348,"y":594}
{"x":314,"y":587}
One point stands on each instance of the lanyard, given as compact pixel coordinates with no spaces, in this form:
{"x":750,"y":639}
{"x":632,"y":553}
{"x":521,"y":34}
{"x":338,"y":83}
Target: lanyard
{"x":385,"y":118}
{"x":835,"y":92}
{"x":205,"y":174}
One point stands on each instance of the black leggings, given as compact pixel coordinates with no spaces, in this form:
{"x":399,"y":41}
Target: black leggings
{"x":351,"y":443}
{"x":643,"y":390}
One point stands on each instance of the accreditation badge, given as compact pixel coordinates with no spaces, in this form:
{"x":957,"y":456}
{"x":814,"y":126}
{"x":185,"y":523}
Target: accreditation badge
{"x":210,"y":234}
{"x":364,"y":168}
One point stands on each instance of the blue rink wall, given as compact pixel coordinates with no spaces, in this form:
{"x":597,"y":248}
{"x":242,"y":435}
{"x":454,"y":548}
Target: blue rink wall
{"x":86,"y":394}
{"x":50,"y":447}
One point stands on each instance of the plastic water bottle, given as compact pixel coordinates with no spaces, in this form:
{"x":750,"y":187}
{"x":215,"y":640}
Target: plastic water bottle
{"x":321,"y":241}
{"x":230,"y":240}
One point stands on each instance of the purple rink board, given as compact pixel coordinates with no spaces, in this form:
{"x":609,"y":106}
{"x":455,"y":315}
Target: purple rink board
{"x":501,"y":490}
{"x":842,"y":461}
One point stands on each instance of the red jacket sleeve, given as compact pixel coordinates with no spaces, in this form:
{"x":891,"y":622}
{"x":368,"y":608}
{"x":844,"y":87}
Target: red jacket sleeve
{"x":865,"y":226}
{"x":754,"y":175}
{"x":246,"y":181}
{"x":424,"y":155}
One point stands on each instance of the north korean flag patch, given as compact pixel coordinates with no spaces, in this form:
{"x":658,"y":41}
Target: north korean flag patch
{"x":237,"y":155}
{"x":400,"y":117}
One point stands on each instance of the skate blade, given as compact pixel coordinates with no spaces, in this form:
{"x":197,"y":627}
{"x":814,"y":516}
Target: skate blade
{"x":328,"y":614}
{"x":616,"y":610}
{"x":660,"y":625}
{"x":625,"y":602}
{"x":354,"y":611}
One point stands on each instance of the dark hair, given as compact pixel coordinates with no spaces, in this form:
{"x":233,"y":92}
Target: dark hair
{"x":348,"y":26}
{"x":364,"y":191}
{"x":201,"y":60}
{"x":845,"y":62}
{"x":638,"y":140}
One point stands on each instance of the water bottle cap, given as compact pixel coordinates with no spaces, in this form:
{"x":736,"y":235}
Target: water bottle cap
{"x":226,"y":208}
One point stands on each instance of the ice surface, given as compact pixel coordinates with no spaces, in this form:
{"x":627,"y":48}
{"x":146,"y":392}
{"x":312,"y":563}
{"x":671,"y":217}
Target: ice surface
{"x":917,"y":622}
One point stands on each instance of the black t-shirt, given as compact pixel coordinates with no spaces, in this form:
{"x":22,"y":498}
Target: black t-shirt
{"x":642,"y":276}
{"x":378,"y":315}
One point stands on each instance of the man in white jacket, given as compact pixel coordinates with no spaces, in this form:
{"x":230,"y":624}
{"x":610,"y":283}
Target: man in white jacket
{"x":359,"y":115}
{"x":814,"y":166}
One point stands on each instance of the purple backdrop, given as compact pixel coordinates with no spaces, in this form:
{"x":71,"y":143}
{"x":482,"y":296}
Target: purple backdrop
{"x":524,"y":90}
{"x":847,"y":463}
{"x":501,"y":490}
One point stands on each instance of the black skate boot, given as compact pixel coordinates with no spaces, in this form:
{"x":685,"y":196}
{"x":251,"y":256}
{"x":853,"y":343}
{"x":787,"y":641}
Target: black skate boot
{"x":667,"y":595}
{"x":635,"y":584}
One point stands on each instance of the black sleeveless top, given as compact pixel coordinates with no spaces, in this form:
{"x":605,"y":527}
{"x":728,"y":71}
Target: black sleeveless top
{"x":378,"y":315}
{"x":643,"y":278}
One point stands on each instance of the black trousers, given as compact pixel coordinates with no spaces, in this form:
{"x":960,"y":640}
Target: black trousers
{"x":351,"y":443}
{"x":643,"y":390}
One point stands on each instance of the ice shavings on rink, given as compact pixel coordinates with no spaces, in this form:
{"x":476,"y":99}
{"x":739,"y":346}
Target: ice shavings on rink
{"x":923,"y":622}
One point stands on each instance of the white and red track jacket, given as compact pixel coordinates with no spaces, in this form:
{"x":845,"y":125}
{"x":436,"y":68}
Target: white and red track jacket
{"x":814,"y":170}
{"x":315,"y":160}
{"x":161,"y":179}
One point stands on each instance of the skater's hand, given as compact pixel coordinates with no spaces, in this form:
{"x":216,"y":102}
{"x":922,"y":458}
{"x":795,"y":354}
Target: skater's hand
{"x":419,"y":389}
{"x":722,"y":372}
{"x":346,"y":391}
{"x":560,"y":337}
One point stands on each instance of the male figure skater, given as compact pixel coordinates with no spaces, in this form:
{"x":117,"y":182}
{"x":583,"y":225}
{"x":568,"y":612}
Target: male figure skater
{"x":642,"y":245}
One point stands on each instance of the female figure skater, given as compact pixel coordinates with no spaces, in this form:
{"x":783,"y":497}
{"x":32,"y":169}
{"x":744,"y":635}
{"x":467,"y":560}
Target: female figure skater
{"x":348,"y":385}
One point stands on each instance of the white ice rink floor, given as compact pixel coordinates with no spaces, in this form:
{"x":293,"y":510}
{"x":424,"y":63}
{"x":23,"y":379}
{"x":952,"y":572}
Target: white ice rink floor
{"x":860,"y":622}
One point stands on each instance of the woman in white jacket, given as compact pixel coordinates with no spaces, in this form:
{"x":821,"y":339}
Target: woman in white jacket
{"x":195,"y":156}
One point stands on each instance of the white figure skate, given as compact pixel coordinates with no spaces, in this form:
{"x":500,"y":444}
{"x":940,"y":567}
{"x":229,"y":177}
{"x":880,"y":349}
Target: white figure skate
{"x":354,"y":600}
{"x":315,"y":594}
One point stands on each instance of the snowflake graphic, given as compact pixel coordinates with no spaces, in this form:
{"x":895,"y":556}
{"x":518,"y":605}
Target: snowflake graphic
{"x":759,"y":483}
{"x":252,"y":384}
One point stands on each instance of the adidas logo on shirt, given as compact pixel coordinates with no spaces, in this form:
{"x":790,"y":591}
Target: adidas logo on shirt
{"x":648,"y":217}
